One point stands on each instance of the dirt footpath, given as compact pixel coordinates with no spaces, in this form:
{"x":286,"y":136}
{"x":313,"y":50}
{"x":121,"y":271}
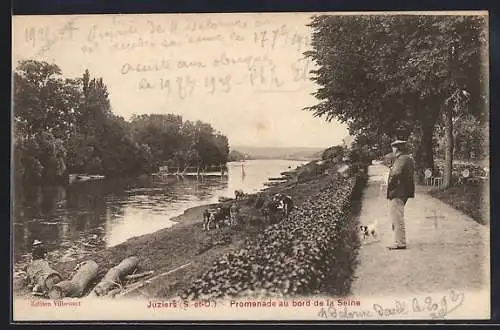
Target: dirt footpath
{"x":447,"y":250}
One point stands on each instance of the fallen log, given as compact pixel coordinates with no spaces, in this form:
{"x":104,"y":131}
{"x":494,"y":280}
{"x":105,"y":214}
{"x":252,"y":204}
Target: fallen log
{"x":76,"y":286}
{"x":113,"y":276}
{"x":41,"y":275}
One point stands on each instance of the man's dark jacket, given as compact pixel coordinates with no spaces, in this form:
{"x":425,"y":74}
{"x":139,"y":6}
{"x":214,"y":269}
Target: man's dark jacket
{"x":401,"y":181}
{"x":38,"y":252}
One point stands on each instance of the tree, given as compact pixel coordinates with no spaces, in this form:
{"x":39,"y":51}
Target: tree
{"x":66,"y":126}
{"x":469,"y":139}
{"x":179,"y":143}
{"x":222,"y":145}
{"x":87,"y":146}
{"x":43,"y":100}
{"x":39,"y":158}
{"x":333,"y":154}
{"x":45,"y":107}
{"x":82,"y":154}
{"x":161,"y":132}
{"x":96,"y":108}
{"x":212,"y":146}
{"x":386,"y":73}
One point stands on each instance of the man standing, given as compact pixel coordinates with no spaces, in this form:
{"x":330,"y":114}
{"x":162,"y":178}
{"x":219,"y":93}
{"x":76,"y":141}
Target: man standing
{"x":38,"y":251}
{"x":400,"y":187}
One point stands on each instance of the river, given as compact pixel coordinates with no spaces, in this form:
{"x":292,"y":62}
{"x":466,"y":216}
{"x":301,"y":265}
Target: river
{"x":112,"y":211}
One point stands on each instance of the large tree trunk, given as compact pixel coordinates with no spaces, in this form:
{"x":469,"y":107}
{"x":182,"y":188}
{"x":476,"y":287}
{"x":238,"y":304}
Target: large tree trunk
{"x":116,"y":273}
{"x":424,"y":157}
{"x":448,"y":155}
{"x":40,"y":273}
{"x":77,"y":285}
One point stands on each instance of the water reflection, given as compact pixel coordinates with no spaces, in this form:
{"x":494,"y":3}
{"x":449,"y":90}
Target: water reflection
{"x":114,"y":211}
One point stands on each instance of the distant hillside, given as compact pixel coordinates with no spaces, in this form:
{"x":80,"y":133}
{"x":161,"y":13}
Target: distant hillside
{"x":292,"y":153}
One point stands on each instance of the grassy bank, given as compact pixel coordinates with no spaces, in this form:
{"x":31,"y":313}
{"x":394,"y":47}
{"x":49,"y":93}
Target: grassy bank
{"x":313,"y":251}
{"x":186,"y":242}
{"x":471,"y":198}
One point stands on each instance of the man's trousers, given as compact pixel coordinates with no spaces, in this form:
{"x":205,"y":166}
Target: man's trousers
{"x":396,"y":211}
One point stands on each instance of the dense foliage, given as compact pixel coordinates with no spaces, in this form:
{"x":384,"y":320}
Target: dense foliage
{"x":235,"y":155}
{"x":66,"y":126}
{"x":386,"y":74}
{"x":470,"y":139}
{"x":179,"y":143}
{"x":312,"y":251}
{"x":333,"y":154}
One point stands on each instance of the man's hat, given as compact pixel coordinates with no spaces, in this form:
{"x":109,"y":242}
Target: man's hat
{"x":36,"y":242}
{"x":398,"y":142}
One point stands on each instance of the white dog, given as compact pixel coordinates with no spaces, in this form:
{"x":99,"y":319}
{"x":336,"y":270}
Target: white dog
{"x":369,"y":230}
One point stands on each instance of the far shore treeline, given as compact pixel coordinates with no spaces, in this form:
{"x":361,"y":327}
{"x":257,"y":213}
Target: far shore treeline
{"x":66,"y":126}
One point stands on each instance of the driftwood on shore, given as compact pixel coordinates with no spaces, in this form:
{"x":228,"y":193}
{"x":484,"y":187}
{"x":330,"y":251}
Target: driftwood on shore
{"x":138,"y":285}
{"x":42,"y":276}
{"x":78,"y":283}
{"x":114,"y":275}
{"x":138,"y":275}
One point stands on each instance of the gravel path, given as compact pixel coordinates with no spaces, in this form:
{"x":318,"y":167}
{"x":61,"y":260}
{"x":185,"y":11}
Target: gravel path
{"x":447,"y":250}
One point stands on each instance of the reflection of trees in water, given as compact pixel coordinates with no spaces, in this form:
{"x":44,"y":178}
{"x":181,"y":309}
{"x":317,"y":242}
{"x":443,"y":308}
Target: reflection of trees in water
{"x":60,"y":213}
{"x":89,"y":199}
{"x":66,"y":213}
{"x":39,"y":202}
{"x":243,"y":173}
{"x":209,"y":187}
{"x":54,"y":198}
{"x":36,"y":214}
{"x":201,"y":188}
{"x":48,"y":233}
{"x":27,"y":202}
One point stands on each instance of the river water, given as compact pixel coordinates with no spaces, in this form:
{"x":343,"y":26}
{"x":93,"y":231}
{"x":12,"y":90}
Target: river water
{"x":111,"y":211}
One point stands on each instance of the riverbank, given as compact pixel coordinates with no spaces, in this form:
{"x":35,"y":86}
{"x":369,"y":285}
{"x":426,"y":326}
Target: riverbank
{"x":186,"y":242}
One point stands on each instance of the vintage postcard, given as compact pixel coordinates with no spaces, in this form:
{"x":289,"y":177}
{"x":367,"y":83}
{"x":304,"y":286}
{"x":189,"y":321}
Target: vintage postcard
{"x":251,"y":166}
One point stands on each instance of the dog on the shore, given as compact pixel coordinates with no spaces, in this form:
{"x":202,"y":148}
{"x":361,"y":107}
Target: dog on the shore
{"x":284,"y":203}
{"x":239,"y":194}
{"x":370,"y":230}
{"x":216,"y":217}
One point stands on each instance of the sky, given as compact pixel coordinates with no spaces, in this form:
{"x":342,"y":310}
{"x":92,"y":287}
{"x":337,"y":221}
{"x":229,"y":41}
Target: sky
{"x":245,"y":74}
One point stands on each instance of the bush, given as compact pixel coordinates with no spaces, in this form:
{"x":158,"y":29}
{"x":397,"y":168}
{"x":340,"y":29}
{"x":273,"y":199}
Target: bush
{"x":309,"y":171}
{"x":312,"y":251}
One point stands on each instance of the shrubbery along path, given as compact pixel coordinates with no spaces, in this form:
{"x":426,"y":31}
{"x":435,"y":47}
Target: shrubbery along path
{"x":313,"y":251}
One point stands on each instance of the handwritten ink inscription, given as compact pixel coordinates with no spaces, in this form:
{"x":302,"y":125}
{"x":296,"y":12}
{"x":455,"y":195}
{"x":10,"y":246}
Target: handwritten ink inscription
{"x":426,"y":308}
{"x":44,"y":38}
{"x":257,"y":53}
{"x":259,"y":74}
